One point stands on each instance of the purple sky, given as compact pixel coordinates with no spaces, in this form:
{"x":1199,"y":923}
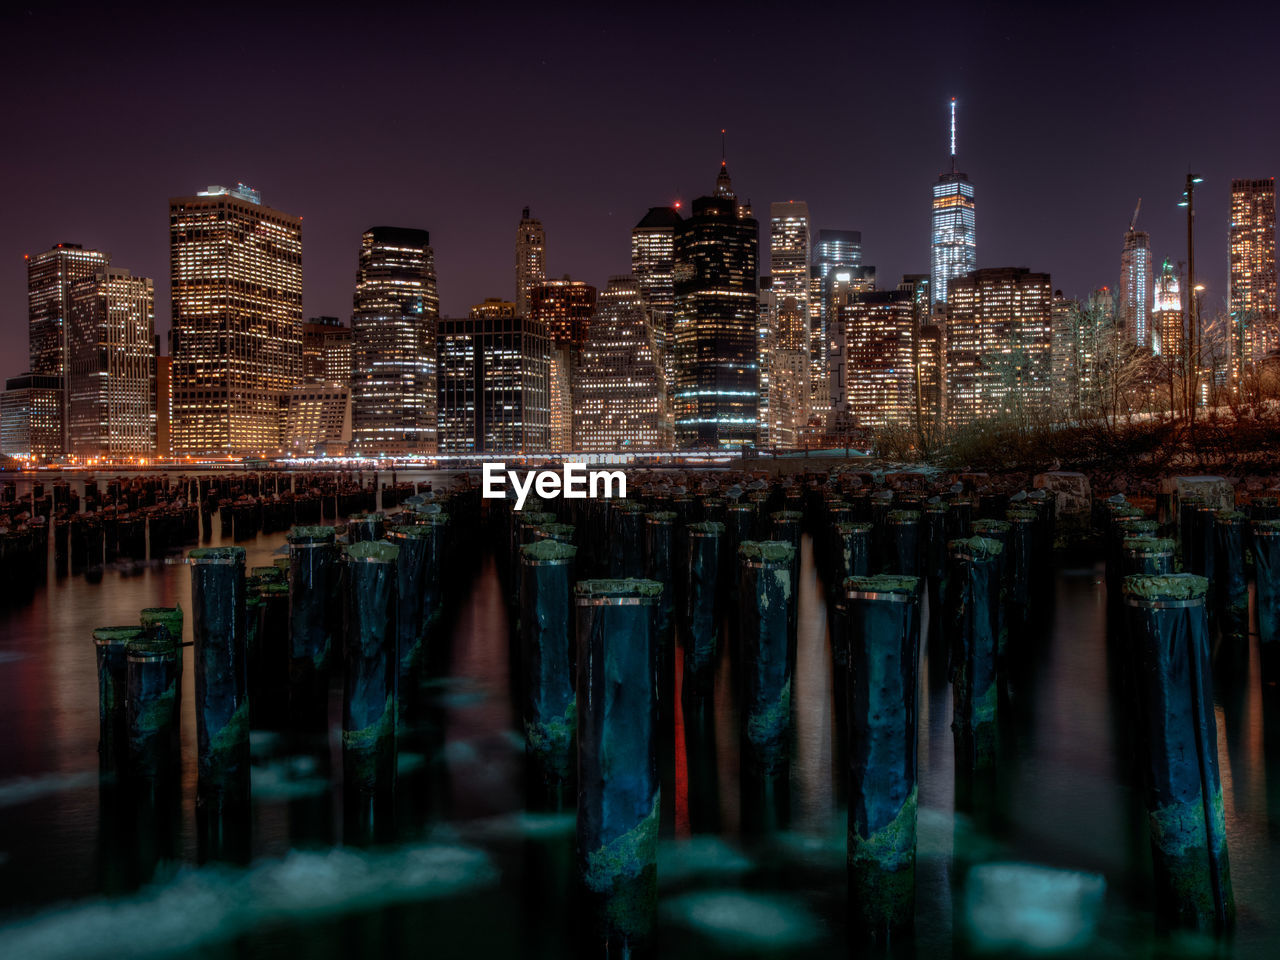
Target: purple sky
{"x":452,"y":121}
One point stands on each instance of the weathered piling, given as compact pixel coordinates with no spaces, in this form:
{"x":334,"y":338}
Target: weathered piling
{"x":767,"y":604}
{"x":935,"y":559}
{"x":999,"y":531}
{"x":1231,"y":537}
{"x":152,"y":679}
{"x":371,"y":668}
{"x":700,"y":614}
{"x":626,"y":539}
{"x":902,"y":543}
{"x":884,"y":652}
{"x":546,"y":664}
{"x":165,"y":624}
{"x":1188,"y":508}
{"x":269,"y":665}
{"x":618,"y":792}
{"x":973,"y":594}
{"x":1169,"y":632}
{"x":314,"y":612}
{"x":364,"y":527}
{"x":415,"y":569}
{"x":659,"y":542}
{"x":222,"y":702}
{"x":1024,"y":561}
{"x":111,"y":647}
{"x":851,"y":558}
{"x":1266,"y":556}
{"x":1151,"y":556}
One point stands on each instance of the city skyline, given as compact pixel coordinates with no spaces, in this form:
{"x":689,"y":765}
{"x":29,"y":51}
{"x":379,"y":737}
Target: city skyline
{"x":872,"y":176}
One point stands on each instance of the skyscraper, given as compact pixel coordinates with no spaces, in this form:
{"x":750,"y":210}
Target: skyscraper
{"x":1166,"y":318}
{"x":236,"y":278}
{"x":1064,"y":388}
{"x":998,"y":345}
{"x":953,"y":246}
{"x":1253,"y":268}
{"x":789,"y":265}
{"x":493,"y":381}
{"x":50,"y":277}
{"x":653,"y":265}
{"x":531,"y":259}
{"x":393,"y":328}
{"x":111,"y":389}
{"x":879,"y":330}
{"x":326,"y":351}
{"x":717,"y":376}
{"x":834,"y":249}
{"x":564,"y":307}
{"x":31,"y":417}
{"x":619,"y":402}
{"x":1135,"y":285}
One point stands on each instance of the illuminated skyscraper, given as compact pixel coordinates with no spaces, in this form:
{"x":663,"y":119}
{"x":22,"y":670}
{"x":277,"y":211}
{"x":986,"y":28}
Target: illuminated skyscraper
{"x":1064,"y":388}
{"x":236,"y":278}
{"x":834,"y":249}
{"x":653,"y":265}
{"x":1167,"y":332}
{"x":790,"y":244}
{"x":1253,"y":268}
{"x":717,"y":376}
{"x":1135,"y":286}
{"x":31,"y":417}
{"x":326,"y":351}
{"x":879,"y":330}
{"x":111,"y":389}
{"x":953,"y":245}
{"x":393,"y":328}
{"x":50,"y":277}
{"x":618,"y":398}
{"x":998,"y":344}
{"x":493,"y":382}
{"x":565,"y":307}
{"x":839,"y":287}
{"x":531,"y":259}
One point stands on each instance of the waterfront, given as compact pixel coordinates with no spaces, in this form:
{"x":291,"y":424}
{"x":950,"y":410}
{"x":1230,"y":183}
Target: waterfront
{"x":474,"y":874}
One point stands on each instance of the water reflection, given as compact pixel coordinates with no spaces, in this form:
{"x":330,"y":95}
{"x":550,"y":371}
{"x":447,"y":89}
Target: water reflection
{"x":1063,"y":796}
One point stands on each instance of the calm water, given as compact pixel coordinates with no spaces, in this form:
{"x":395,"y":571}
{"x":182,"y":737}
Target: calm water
{"x":476,"y":875}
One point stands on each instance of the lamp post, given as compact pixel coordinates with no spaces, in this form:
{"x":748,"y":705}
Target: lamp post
{"x":1190,"y":380}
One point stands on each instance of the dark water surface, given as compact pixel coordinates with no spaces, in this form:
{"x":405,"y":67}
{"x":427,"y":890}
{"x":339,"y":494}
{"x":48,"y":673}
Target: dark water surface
{"x":475,"y":875}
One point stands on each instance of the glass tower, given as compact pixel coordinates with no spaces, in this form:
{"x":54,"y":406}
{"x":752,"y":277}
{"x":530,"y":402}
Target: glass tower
{"x":953,"y":246}
{"x":1135,"y":287}
{"x":393,"y":329}
{"x":235,"y":268}
{"x":716,"y":329}
{"x":1253,"y":267}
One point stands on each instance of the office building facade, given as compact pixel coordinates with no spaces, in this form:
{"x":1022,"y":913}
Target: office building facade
{"x":236,"y":282}
{"x":716,"y":369}
{"x":393,"y":352}
{"x":111,"y":380}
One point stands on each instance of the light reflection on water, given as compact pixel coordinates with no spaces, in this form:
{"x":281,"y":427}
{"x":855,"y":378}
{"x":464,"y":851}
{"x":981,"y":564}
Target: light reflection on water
{"x":1061,"y":800}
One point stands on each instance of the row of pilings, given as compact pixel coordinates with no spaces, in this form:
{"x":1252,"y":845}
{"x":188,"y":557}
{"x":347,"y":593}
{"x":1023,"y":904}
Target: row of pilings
{"x":341,"y":612}
{"x":628,"y":614}
{"x":128,"y":521}
{"x":719,"y":573}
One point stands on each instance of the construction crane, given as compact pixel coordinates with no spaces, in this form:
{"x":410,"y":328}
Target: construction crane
{"x":1134,"y":222}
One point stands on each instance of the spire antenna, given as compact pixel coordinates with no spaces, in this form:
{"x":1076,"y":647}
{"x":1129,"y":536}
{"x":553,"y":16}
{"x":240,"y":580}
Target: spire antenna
{"x":953,"y":134}
{"x":723,"y":154}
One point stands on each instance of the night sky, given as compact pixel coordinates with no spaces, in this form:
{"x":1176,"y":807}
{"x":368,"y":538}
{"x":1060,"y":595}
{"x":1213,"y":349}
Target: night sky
{"x":453,"y":120}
